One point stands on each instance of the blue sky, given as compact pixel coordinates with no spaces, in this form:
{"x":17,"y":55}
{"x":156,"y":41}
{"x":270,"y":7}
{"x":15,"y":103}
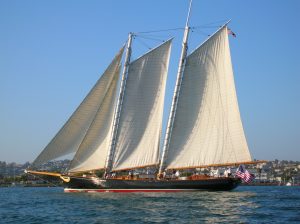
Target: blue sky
{"x":52,"y":52}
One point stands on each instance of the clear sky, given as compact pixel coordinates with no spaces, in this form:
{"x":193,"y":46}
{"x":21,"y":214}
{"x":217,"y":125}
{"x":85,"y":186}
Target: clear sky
{"x":52,"y":53}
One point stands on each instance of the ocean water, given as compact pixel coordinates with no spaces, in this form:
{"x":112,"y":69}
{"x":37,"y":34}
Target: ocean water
{"x":243,"y":205}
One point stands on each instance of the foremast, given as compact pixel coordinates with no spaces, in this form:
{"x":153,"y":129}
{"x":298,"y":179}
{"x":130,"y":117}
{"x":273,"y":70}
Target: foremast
{"x":181,"y":66}
{"x":117,"y":113}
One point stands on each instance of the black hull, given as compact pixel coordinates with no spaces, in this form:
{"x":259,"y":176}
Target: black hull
{"x":117,"y":185}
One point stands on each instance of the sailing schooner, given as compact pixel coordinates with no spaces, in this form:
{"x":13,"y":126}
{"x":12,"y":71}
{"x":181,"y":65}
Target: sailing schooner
{"x":120,"y":132}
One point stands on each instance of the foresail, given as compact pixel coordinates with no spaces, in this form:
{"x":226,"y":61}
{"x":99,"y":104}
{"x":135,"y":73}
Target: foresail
{"x":92,"y":152}
{"x":71,"y":135}
{"x":207,"y":127}
{"x":137,"y":141}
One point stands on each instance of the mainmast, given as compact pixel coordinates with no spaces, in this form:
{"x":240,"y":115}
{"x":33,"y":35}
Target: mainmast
{"x":176,"y":92}
{"x":117,"y":114}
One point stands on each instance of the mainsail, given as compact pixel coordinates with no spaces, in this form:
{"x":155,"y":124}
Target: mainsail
{"x":139,"y":129}
{"x":71,"y":135}
{"x":207,"y":128}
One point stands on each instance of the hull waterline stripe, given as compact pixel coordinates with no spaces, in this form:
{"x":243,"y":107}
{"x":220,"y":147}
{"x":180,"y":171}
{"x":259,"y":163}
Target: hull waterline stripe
{"x":70,"y":190}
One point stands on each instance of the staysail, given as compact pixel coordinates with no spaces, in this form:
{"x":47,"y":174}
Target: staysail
{"x":139,"y":129}
{"x":71,"y":135}
{"x":207,"y":127}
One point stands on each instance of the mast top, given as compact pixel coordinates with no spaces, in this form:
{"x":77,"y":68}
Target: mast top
{"x":188,"y":16}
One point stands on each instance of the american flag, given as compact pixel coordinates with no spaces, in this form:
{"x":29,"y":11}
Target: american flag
{"x":230,"y":32}
{"x":244,"y":174}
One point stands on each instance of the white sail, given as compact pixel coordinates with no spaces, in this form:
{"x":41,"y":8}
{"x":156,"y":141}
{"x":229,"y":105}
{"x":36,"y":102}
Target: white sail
{"x":71,"y":135}
{"x":207,"y":127}
{"x":137,"y":140}
{"x":92,"y":152}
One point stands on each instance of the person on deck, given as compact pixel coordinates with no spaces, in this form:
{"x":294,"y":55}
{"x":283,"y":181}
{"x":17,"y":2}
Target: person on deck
{"x":228,"y":172}
{"x":130,"y":175}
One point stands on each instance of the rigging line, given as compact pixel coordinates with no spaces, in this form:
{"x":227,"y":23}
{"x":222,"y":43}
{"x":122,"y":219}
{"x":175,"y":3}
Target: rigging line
{"x":144,"y":44}
{"x":149,"y":38}
{"x":154,"y":35}
{"x":157,"y":31}
{"x":199,"y":32}
{"x":179,"y":28}
{"x":216,"y":22}
{"x":205,"y":27}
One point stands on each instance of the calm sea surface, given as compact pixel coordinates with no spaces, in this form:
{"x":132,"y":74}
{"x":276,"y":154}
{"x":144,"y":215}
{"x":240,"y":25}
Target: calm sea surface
{"x":243,"y":205}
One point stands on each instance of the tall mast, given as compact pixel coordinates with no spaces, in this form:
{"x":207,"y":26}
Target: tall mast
{"x":117,"y":113}
{"x":176,"y":92}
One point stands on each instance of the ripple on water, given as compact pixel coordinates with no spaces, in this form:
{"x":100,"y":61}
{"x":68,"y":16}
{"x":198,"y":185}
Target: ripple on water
{"x":244,"y":205}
